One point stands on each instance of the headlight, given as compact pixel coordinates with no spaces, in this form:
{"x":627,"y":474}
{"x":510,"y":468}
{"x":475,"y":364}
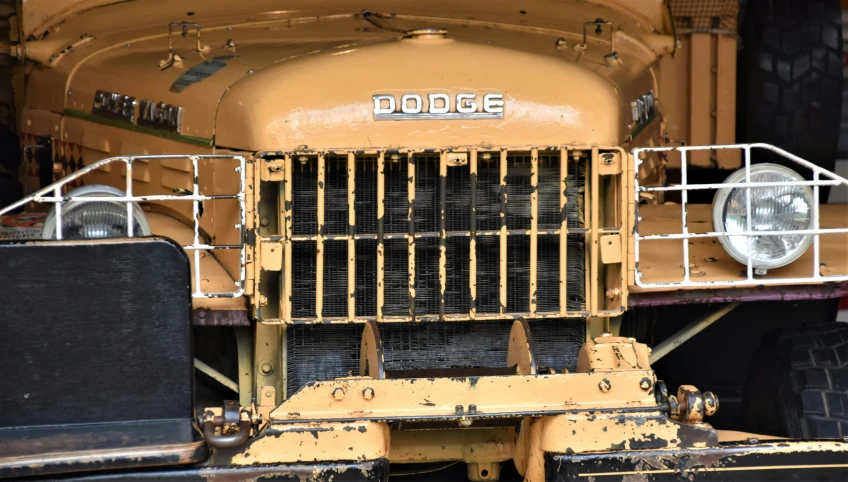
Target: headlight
{"x":95,"y":219}
{"x":773,"y":208}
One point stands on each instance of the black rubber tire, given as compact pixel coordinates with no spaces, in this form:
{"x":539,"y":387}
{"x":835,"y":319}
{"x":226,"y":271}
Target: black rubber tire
{"x":790,"y":79}
{"x":797,"y":385}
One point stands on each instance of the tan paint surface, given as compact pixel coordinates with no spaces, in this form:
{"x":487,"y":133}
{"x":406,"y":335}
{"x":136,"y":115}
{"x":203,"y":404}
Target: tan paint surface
{"x":661,"y":260}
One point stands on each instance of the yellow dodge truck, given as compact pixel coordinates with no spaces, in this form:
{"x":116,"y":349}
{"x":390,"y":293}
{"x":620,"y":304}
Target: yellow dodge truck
{"x":548,"y":240}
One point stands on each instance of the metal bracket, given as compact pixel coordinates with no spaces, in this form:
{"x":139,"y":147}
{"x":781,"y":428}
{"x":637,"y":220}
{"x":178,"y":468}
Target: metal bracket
{"x":234,"y":429}
{"x":599,"y":24}
{"x":172,"y":57}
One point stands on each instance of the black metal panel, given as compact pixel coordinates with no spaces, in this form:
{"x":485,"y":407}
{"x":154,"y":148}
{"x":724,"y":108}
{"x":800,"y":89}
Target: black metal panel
{"x":326,"y":351}
{"x":744,"y":463}
{"x":95,"y":333}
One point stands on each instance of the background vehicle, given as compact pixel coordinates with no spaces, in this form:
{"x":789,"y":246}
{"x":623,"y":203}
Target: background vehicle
{"x":342,"y":240}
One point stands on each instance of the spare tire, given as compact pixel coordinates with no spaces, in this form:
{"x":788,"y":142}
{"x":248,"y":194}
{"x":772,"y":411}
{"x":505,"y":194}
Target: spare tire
{"x":790,"y":80}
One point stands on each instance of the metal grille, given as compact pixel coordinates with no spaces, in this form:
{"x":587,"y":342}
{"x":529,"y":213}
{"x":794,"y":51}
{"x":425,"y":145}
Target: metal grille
{"x":432,"y":238}
{"x":53,"y":194}
{"x":686,"y":237}
{"x":328,"y":351}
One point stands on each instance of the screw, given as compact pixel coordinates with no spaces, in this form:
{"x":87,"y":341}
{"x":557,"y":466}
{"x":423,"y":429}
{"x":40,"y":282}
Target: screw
{"x":608,"y":160}
{"x":266,"y":368}
{"x":231,"y":44}
{"x":645,"y":384}
{"x":673,"y":407}
{"x":338,"y":394}
{"x":605,"y":385}
{"x":368,"y":393}
{"x":269,"y":394}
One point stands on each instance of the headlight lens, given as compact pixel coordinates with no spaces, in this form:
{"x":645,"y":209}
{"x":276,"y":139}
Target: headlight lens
{"x":773,"y":208}
{"x":95,"y":219}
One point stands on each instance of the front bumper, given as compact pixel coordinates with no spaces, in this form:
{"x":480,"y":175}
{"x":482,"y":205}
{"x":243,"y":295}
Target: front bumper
{"x":777,"y":461}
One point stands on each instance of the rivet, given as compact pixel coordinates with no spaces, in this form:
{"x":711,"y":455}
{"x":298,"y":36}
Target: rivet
{"x":605,"y":385}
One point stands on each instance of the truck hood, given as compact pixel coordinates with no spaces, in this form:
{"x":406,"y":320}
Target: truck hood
{"x":325,"y":100}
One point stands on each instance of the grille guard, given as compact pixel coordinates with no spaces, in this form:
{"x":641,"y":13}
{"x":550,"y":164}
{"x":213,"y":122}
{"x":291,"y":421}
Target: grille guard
{"x":54,"y":194}
{"x":821,"y":177}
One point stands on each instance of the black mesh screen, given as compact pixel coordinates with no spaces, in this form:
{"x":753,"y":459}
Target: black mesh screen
{"x":427,"y":276}
{"x":366,"y":277}
{"x":396,"y":276}
{"x":305,"y":196}
{"x":303,"y":279}
{"x":488,"y":192}
{"x":335,"y":279}
{"x":427,"y":212}
{"x":366,"y":194}
{"x":323,"y":352}
{"x":335,"y":195}
{"x":488,"y":272}
{"x":457,"y":291}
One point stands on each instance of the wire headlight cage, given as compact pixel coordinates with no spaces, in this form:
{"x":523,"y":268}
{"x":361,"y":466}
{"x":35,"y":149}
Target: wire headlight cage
{"x":54,"y":195}
{"x":742,"y":180}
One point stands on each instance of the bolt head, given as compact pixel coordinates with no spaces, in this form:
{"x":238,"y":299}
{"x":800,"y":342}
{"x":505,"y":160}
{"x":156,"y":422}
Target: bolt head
{"x":710,"y":403}
{"x":645,"y":384}
{"x":605,"y":385}
{"x":266,"y":368}
{"x":368,"y":393}
{"x":338,"y":394}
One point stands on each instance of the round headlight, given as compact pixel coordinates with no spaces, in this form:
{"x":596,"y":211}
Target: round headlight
{"x":95,"y":219}
{"x":773,"y":208}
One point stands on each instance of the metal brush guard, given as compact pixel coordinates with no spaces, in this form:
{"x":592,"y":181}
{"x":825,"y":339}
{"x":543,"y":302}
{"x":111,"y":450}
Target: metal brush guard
{"x":53,"y":194}
{"x":831,"y":179}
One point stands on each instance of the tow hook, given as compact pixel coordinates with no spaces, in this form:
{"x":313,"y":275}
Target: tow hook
{"x":690,"y":405}
{"x":234,"y":428}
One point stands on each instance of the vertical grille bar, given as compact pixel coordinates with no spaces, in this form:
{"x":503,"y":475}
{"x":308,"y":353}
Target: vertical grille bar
{"x":287,"y":236}
{"x":411,"y":239}
{"x":381,"y":212}
{"x":472,"y":243}
{"x":319,"y":241}
{"x":563,"y":232}
{"x":502,"y":235}
{"x":594,"y":206}
{"x":443,"y":187}
{"x":534,"y":227}
{"x":351,"y":232}
{"x":684,"y":201}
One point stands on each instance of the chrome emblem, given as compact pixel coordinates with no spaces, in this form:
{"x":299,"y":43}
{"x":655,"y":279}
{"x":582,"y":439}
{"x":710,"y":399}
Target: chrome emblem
{"x":438,"y":107}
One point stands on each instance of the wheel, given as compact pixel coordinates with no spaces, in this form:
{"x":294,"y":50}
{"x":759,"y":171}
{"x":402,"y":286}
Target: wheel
{"x":790,"y":79}
{"x":797,"y":385}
